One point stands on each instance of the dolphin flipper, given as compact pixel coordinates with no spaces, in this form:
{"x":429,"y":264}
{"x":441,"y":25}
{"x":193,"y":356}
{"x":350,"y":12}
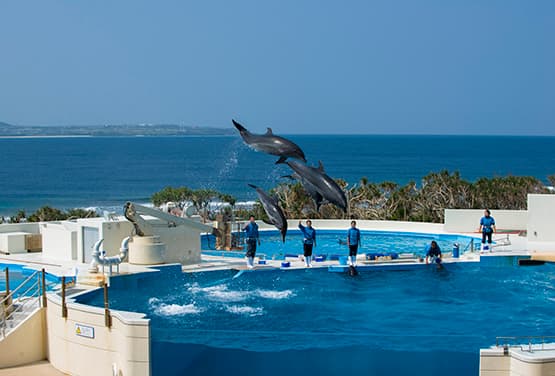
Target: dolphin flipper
{"x":281,"y":159}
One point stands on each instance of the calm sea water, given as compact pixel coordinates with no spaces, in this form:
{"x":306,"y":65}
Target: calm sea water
{"x":106,"y":172}
{"x":426,"y":321}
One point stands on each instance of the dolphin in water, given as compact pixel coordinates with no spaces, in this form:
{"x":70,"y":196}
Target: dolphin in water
{"x":325,"y":185}
{"x":272,"y":209}
{"x":310,"y":189}
{"x":271,"y":144}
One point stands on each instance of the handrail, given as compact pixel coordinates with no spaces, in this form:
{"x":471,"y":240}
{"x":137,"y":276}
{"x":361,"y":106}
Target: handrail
{"x":29,"y":292}
{"x":502,"y":241}
{"x":505,"y":344}
{"x":470,"y":244}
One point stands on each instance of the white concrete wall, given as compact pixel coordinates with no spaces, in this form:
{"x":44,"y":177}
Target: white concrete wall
{"x":13,"y":242}
{"x":25,"y":344}
{"x":541,"y":219}
{"x":123,"y":348}
{"x":64,"y":240}
{"x":113,"y":233}
{"x":468,"y":220}
{"x":182,"y":244}
{"x":32,"y":228}
{"x":59,"y":240}
{"x":493,"y":362}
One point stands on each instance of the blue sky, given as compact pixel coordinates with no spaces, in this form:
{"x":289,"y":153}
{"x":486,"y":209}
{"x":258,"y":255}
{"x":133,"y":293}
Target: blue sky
{"x":392,"y":66}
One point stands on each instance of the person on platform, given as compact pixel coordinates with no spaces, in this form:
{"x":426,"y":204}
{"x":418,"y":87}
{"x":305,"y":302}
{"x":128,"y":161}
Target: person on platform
{"x":252,"y":238}
{"x":309,"y":241}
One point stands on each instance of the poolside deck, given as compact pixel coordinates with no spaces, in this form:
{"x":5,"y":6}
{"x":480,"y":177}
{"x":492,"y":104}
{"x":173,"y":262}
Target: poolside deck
{"x":43,"y":368}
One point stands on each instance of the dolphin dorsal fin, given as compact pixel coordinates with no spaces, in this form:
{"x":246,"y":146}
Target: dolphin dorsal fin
{"x":320,"y":166}
{"x":269,"y":131}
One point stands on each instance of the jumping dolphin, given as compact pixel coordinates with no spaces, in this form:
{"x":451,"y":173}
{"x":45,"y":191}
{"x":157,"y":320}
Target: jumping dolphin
{"x":310,"y":189}
{"x":271,"y":144}
{"x":325,"y":185}
{"x":272,"y":209}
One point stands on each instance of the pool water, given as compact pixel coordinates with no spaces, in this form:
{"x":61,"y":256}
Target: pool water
{"x":19,"y":273}
{"x":332,"y":242}
{"x":424,"y":321}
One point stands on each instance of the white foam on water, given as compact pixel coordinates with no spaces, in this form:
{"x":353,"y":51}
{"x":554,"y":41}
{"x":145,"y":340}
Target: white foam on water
{"x":164,"y":309}
{"x":274,"y":294}
{"x":228,"y":296}
{"x":177,"y":310}
{"x":245,"y":310}
{"x":220,"y":293}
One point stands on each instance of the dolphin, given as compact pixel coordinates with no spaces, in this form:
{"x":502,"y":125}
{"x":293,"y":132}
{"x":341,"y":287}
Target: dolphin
{"x":325,"y":185}
{"x":272,"y":209}
{"x":271,"y":144}
{"x":310,"y":189}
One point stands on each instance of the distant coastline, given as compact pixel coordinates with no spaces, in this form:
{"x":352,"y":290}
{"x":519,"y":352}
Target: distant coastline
{"x":29,"y":131}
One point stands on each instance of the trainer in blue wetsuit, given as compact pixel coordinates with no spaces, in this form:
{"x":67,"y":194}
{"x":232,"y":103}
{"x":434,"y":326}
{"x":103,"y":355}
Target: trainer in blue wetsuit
{"x":353,"y":241}
{"x":433,"y":253}
{"x":487,"y":228}
{"x":309,"y":241}
{"x":251,"y":232}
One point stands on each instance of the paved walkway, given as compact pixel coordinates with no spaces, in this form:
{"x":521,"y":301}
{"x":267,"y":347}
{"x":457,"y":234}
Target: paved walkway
{"x":42,"y":368}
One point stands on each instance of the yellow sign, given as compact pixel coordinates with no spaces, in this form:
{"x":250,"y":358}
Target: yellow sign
{"x":84,"y":331}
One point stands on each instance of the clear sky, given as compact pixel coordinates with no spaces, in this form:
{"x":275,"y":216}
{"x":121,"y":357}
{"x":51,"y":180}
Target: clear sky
{"x":391,"y":66}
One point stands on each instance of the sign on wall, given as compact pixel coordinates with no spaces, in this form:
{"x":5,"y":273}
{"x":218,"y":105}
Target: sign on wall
{"x":84,"y":330}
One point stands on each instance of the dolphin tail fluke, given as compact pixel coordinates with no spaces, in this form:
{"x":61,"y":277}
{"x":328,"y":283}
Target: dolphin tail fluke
{"x":281,"y":160}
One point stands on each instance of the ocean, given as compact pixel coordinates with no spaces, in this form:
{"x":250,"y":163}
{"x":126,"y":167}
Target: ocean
{"x":105,"y":172}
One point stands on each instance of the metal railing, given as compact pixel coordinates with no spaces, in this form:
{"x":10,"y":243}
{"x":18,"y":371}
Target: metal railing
{"x":529,"y":342}
{"x":30,"y":294}
{"x":502,"y":241}
{"x":469,"y":246}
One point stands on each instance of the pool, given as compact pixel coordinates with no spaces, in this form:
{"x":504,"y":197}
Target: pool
{"x":310,"y":321}
{"x":332,"y":242}
{"x":19,"y":273}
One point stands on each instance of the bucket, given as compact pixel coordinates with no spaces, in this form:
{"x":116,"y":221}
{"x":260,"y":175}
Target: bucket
{"x":342,"y":260}
{"x":456,"y":250}
{"x":262,"y":262}
{"x":285,"y":264}
{"x":320,"y":258}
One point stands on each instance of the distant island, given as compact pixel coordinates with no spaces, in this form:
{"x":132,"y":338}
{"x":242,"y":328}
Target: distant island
{"x":9,"y":130}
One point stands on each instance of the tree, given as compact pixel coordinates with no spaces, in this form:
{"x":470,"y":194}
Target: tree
{"x":178,"y":195}
{"x":47,"y":213}
{"x":201,"y":199}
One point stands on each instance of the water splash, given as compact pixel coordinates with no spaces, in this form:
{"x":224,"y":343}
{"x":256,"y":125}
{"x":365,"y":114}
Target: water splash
{"x":245,"y":310}
{"x":163,"y":309}
{"x":274,"y":294}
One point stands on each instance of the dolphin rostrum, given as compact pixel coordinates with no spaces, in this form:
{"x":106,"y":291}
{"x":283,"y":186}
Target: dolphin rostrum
{"x":271,"y":144}
{"x":272,"y":209}
{"x":324,"y":184}
{"x":310,"y":189}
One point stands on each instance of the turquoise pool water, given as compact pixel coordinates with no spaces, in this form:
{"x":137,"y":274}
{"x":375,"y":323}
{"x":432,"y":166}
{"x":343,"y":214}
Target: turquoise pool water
{"x":423,"y":321}
{"x":332,"y":242}
{"x":19,"y":273}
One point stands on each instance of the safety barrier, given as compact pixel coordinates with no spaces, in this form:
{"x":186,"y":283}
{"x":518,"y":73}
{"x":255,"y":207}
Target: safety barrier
{"x":17,"y":303}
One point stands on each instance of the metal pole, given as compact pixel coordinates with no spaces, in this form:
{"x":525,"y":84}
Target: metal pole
{"x":107,"y":317}
{"x":43,"y":287}
{"x":64,"y":307}
{"x":7,"y":281}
